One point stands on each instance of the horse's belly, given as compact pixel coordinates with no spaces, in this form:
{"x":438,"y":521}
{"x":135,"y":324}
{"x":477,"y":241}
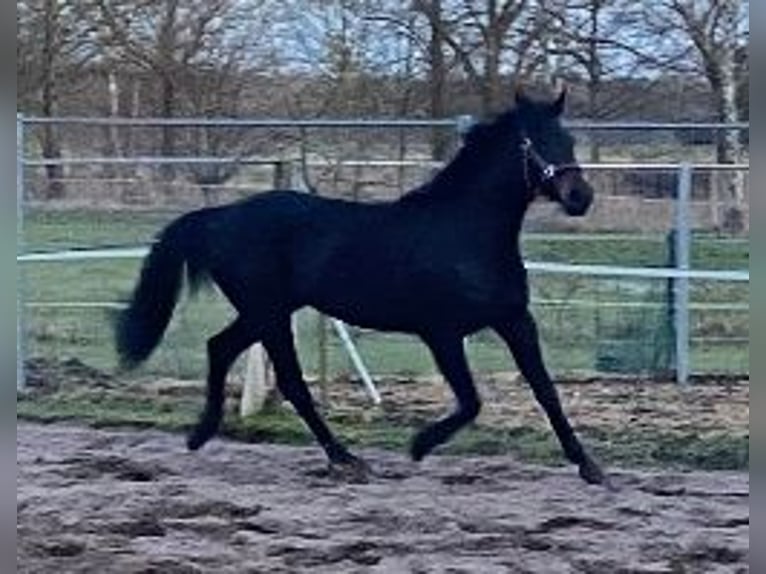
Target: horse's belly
{"x":386,"y":294}
{"x":370,"y":310}
{"x":418,"y":309}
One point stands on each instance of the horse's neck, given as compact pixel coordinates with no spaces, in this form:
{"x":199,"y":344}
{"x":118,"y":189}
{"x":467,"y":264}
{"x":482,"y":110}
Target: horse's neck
{"x":475,"y":167}
{"x":475,"y":181}
{"x":497,"y":213}
{"x":472,"y":178}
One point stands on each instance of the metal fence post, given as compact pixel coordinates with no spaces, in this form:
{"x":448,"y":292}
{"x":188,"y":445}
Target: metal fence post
{"x":682,"y":251}
{"x":20,"y":347}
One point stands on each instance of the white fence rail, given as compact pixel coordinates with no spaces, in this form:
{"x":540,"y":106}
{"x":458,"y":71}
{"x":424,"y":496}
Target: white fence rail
{"x":534,"y":266}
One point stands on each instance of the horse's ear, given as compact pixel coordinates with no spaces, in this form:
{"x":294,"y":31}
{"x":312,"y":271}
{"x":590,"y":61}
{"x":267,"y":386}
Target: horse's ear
{"x":558,"y":106}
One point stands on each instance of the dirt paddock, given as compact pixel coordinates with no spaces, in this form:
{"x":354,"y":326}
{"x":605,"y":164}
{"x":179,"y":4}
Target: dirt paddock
{"x":136,"y":502}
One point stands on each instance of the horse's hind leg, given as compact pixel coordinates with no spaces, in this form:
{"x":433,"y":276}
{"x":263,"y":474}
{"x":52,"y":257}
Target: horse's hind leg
{"x":521,"y":337}
{"x":280,"y":346}
{"x":449,"y":354}
{"x":222,"y":349}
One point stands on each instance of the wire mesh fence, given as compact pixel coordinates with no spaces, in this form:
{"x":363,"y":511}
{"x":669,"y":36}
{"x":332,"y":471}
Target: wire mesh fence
{"x":114,"y":186}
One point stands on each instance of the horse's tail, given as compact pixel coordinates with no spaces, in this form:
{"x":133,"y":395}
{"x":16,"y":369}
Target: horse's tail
{"x":139,"y":327}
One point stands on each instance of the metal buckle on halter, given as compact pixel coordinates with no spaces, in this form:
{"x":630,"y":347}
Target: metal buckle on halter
{"x":526,"y":144}
{"x":549,"y":172}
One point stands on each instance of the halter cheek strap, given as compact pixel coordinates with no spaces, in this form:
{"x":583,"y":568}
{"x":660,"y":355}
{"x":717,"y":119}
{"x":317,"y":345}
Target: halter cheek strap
{"x":548,"y":171}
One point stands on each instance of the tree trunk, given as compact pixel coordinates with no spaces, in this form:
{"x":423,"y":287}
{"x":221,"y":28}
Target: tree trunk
{"x":492,"y":100}
{"x":550,"y":66}
{"x":594,"y":78}
{"x":166,"y":47}
{"x":111,"y":132}
{"x":724,"y":84}
{"x":437,"y":73}
{"x":51,"y":150}
{"x":167,"y":110}
{"x":134,"y":112}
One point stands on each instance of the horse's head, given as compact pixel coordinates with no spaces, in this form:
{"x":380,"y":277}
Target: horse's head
{"x":547,"y":151}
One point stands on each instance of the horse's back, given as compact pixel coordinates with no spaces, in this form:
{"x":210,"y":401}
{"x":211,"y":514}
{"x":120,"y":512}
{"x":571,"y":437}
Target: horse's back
{"x":385,"y":265}
{"x":273,"y":241}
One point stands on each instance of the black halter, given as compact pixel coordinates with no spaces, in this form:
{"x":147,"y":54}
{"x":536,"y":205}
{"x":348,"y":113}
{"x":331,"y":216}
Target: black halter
{"x":548,"y":171}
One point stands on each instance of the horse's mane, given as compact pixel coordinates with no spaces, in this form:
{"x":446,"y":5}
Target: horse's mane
{"x":481,"y":143}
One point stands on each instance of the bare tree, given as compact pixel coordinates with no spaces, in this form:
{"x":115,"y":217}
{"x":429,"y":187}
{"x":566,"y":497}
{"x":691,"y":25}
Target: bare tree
{"x":170,"y":39}
{"x":201,"y":54}
{"x":346,"y":55}
{"x":486,"y":37}
{"x":52,"y":47}
{"x":716,"y":31}
{"x":587,"y":37}
{"x":438,"y":71}
{"x":149,"y":36}
{"x":217,"y":92}
{"x":426,"y":59}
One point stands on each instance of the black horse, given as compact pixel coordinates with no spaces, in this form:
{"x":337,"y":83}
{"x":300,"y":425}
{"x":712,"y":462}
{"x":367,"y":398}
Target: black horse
{"x":441,"y":262}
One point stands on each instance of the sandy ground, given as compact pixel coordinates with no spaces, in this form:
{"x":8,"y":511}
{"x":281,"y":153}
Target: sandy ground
{"x":136,"y":502}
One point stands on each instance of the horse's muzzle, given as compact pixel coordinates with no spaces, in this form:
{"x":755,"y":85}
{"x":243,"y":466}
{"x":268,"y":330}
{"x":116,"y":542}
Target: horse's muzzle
{"x":577,"y":196}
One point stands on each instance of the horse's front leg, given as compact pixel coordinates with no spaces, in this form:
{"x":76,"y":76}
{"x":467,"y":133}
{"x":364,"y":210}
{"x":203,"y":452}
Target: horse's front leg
{"x":521,"y":336}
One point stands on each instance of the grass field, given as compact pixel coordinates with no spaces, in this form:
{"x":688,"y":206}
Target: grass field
{"x":581,"y":336}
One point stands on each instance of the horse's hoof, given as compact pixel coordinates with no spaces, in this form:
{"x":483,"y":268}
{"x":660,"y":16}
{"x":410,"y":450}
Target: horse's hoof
{"x":353,"y":470}
{"x":200,"y":435}
{"x":591,"y":473}
{"x":196,"y":440}
{"x":206,"y":428}
{"x":420,"y":447}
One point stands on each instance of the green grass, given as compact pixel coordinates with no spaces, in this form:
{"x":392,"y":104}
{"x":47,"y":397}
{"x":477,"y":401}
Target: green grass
{"x":628,"y":448}
{"x":47,"y":230}
{"x":571,"y":336}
